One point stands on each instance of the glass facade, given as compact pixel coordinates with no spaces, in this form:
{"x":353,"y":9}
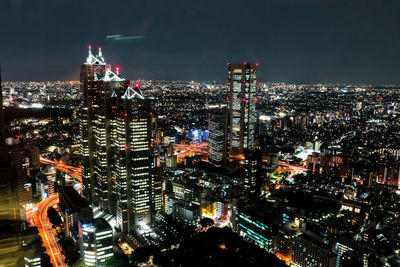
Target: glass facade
{"x":217,"y":142}
{"x":242,"y":94}
{"x":117,"y":163}
{"x":96,"y":242}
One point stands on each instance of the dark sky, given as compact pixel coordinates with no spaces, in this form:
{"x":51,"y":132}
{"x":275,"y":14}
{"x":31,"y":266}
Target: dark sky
{"x":292,"y":40}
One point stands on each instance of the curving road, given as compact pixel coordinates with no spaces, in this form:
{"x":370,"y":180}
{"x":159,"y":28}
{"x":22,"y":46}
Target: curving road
{"x":47,"y":233}
{"x":71,"y":170}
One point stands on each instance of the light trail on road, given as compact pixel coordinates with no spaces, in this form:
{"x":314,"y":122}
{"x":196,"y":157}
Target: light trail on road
{"x":47,"y":233}
{"x":70,"y":170}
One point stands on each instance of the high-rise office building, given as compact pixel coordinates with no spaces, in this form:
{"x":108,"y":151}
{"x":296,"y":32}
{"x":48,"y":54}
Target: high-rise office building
{"x":98,"y":84}
{"x":242,"y":105}
{"x":218,"y":135}
{"x":132,"y":162}
{"x":93,"y":66}
{"x":116,"y":144}
{"x":19,"y":157}
{"x":252,"y":167}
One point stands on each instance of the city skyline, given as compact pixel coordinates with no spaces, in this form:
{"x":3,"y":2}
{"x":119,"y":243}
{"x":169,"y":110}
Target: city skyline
{"x":294,"y":41}
{"x":211,"y":133}
{"x":319,"y":173}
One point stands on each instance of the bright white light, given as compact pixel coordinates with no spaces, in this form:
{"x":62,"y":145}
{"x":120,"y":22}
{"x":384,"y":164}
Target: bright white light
{"x":37,"y":105}
{"x":113,"y":222}
{"x":265,"y":118}
{"x":303,"y":155}
{"x":144,"y":226}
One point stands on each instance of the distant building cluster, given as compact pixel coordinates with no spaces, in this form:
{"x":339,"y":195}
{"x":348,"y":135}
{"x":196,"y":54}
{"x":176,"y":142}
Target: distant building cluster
{"x":112,"y":172}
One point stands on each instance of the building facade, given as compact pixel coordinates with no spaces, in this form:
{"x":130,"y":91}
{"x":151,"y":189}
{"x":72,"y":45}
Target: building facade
{"x":132,"y":162}
{"x":252,"y":168}
{"x":218,"y":135}
{"x":254,"y":231}
{"x":242,"y":105}
{"x":308,"y":251}
{"x":116,"y":147}
{"x":96,"y":242}
{"x":73,"y":207}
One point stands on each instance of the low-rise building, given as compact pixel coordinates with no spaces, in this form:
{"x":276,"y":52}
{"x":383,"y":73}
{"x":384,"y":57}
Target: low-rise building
{"x":96,"y":241}
{"x":73,"y":207}
{"x":308,"y":251}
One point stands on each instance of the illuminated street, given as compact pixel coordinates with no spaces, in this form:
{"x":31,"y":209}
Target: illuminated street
{"x":185,"y":137}
{"x":70,"y":170}
{"x":46,"y":231}
{"x":184,"y":150}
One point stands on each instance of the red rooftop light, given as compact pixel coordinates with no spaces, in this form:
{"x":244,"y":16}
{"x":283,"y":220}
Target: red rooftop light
{"x":227,"y":99}
{"x":245,"y":63}
{"x":108,"y":68}
{"x":137,"y":85}
{"x":89,"y":46}
{"x":256,"y":64}
{"x":100,"y":48}
{"x":244,"y":100}
{"x":126,"y":114}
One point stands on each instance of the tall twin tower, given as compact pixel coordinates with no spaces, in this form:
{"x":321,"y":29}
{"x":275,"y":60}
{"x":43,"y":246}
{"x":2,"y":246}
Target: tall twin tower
{"x":232,"y":130}
{"x":116,"y":145}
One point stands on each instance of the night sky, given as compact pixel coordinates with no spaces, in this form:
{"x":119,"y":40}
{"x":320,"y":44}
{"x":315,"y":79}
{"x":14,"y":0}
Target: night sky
{"x":292,"y":40}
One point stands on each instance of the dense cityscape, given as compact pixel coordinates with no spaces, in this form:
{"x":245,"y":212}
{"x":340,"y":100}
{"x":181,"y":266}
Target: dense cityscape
{"x":116,"y":172}
{"x":200,"y":133}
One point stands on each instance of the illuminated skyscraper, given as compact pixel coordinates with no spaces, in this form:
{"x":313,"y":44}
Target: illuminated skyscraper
{"x":90,"y":83}
{"x":98,"y":84}
{"x":217,"y":141}
{"x":252,"y":168}
{"x":242,"y":105}
{"x":132,"y":162}
{"x":116,"y":144}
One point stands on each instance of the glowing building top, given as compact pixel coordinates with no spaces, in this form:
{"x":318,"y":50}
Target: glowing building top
{"x":110,"y":76}
{"x":95,"y":60}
